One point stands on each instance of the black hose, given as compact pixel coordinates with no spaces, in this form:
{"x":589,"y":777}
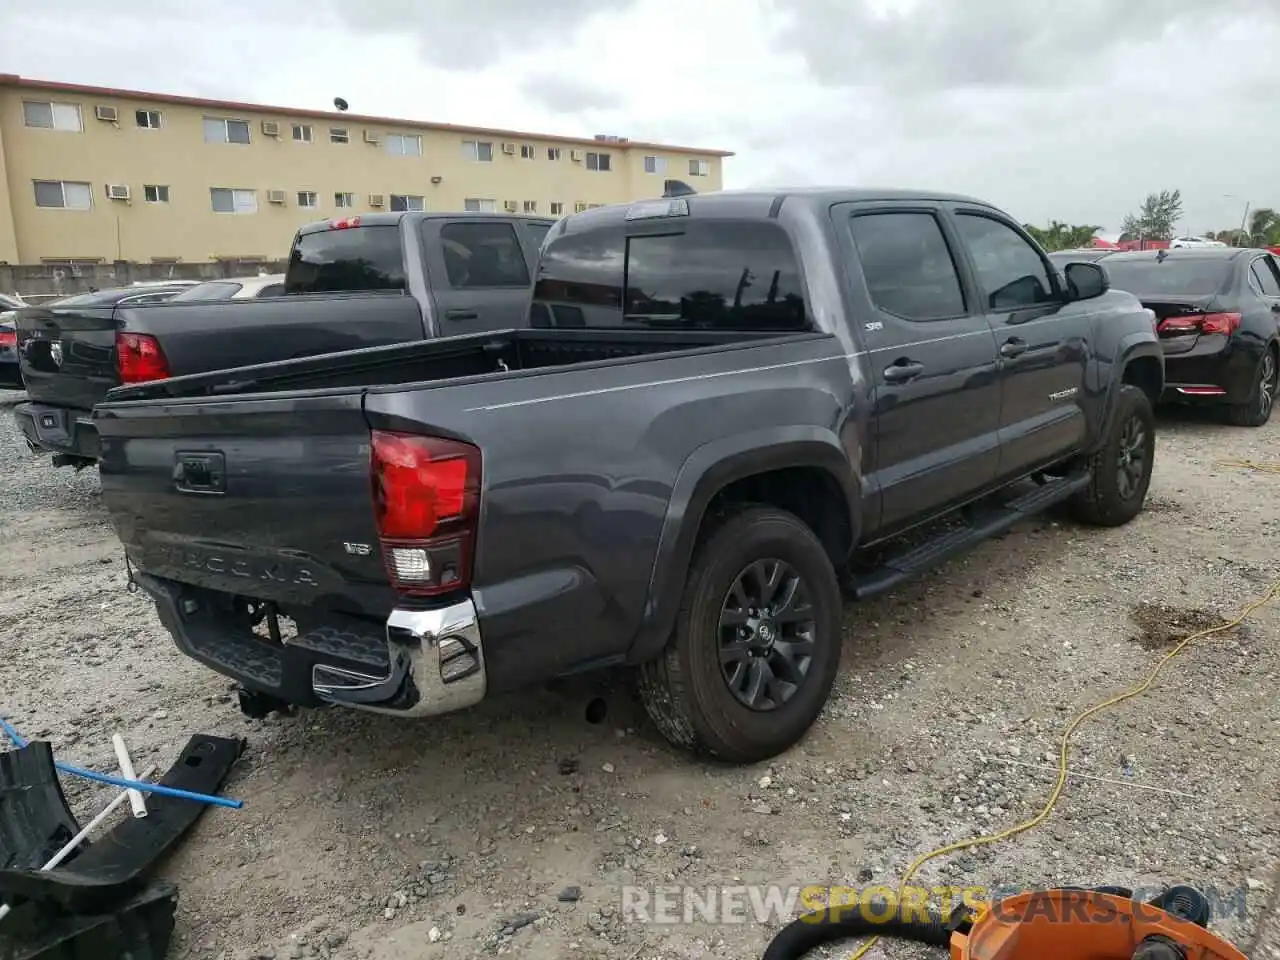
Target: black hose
{"x":855,"y":920}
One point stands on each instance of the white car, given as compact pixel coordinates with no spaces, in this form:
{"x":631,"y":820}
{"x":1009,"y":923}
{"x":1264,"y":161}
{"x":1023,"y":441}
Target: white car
{"x":1180,"y":242}
{"x":241,"y":288}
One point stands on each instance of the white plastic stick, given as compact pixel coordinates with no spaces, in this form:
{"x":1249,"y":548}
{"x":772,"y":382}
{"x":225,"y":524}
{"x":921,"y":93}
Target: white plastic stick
{"x":92,"y":825}
{"x":136,"y":799}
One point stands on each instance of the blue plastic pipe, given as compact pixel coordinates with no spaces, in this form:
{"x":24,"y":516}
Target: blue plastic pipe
{"x":156,"y":788}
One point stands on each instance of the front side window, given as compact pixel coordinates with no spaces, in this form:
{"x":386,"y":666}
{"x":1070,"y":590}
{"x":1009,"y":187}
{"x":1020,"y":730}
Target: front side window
{"x":907,"y":265}
{"x":483,"y":255}
{"x":1010,"y":271}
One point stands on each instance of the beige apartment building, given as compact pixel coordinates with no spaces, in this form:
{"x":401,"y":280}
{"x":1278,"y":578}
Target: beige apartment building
{"x":93,"y":174}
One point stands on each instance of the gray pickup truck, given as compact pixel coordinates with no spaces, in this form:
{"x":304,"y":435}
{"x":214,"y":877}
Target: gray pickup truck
{"x":351,"y":282}
{"x":726,"y":408}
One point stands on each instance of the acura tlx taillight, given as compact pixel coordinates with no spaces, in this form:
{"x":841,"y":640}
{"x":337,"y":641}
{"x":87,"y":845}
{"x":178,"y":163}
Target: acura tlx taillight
{"x":139,"y":358}
{"x":426,"y":496}
{"x":1224,"y":323}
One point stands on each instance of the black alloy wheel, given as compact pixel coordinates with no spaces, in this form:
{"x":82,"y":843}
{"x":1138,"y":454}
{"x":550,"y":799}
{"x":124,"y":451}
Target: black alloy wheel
{"x":766,"y":633}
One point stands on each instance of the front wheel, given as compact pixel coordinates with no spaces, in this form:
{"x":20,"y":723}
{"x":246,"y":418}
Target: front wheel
{"x":1120,"y":472}
{"x":756,"y":647}
{"x":1256,"y":410}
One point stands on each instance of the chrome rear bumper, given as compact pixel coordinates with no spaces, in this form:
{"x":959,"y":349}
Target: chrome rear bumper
{"x":436,"y":666}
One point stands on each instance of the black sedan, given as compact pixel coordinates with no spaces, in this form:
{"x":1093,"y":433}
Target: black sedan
{"x":1217,"y":310}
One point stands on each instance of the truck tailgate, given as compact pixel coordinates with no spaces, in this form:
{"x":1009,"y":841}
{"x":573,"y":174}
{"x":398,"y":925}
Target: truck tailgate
{"x":67,"y":357}
{"x":262,"y":498}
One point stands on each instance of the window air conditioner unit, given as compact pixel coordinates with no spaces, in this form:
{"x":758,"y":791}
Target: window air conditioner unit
{"x":270,"y":128}
{"x":371,"y":137}
{"x":117,"y":191}
{"x":376,"y":200}
{"x":106,"y":114}
{"x":276,"y":196}
{"x":509,"y":148}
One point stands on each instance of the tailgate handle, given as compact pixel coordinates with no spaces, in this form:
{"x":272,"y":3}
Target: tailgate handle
{"x":204,"y":472}
{"x":462,"y":314}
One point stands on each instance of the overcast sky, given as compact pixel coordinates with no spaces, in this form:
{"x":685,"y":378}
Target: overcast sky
{"x":1050,"y":109}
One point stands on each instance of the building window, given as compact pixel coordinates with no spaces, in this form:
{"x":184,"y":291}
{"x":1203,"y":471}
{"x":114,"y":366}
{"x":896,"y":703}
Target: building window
{"x":553,"y":153}
{"x":63,"y":195}
{"x":302,"y":132}
{"x":218,"y":130}
{"x":404,"y":203}
{"x":307,"y":198}
{"x":598,"y":161}
{"x":53,"y":116}
{"x":655,"y":164}
{"x":476,"y":205}
{"x":148,"y":119}
{"x":339,"y":135}
{"x":579,"y":207}
{"x":699,"y":168}
{"x":479,"y":151}
{"x":229,"y":200}
{"x":155,"y":193}
{"x":344,"y":201}
{"x":531,"y":206}
{"x":526,"y":151}
{"x":404,"y":145}
{"x":557,"y":208}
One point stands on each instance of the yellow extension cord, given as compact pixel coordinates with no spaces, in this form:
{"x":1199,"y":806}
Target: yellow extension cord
{"x":1064,"y":766}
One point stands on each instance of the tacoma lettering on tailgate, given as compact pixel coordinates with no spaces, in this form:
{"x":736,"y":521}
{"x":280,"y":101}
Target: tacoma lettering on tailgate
{"x":273,"y":571}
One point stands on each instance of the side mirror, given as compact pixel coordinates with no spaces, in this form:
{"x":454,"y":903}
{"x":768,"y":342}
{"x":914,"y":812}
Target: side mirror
{"x":1086,"y":281}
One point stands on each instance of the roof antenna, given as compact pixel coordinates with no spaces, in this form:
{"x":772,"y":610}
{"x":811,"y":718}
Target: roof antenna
{"x":677,"y":188}
{"x":340,"y":103}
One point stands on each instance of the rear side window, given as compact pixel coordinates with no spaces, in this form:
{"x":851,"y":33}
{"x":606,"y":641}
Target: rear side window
{"x":354,"y":259}
{"x":538,"y":232}
{"x":1265,"y":277}
{"x":271,"y":290}
{"x":709,"y":276}
{"x":907,"y":265}
{"x":1172,"y":276}
{"x":483,"y":255}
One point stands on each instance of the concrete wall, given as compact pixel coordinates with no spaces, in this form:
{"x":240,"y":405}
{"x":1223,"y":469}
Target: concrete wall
{"x":176,"y":156}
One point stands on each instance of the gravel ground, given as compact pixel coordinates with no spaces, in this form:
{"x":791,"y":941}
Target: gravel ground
{"x":512,"y":828}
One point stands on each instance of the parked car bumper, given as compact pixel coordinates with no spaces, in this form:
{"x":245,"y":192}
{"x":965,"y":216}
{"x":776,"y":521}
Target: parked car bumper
{"x":423,"y":662}
{"x":1220,"y":372}
{"x":58,"y":430}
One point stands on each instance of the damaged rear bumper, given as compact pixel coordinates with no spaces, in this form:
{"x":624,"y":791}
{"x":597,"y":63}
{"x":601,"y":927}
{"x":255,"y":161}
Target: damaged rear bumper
{"x":423,"y":662}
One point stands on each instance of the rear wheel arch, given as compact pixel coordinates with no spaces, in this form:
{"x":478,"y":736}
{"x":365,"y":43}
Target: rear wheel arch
{"x":808,"y":477}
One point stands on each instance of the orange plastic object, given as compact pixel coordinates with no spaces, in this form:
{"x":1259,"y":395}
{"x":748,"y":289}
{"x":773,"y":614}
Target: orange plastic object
{"x":1079,"y":925}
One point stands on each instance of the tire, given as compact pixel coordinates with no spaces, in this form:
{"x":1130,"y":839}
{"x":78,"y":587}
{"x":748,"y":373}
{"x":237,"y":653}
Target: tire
{"x":1109,"y":501}
{"x":1256,"y":411}
{"x":684,"y":691}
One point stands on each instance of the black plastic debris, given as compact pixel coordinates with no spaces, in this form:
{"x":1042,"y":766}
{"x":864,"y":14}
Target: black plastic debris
{"x":139,"y":929}
{"x":115,"y":866}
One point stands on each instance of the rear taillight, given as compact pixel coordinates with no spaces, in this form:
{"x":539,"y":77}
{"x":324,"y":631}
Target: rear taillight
{"x":426,"y":496}
{"x":1224,"y":323}
{"x":8,"y":338}
{"x":139,"y":358}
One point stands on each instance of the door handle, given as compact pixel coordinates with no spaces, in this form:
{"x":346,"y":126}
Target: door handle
{"x":901,"y":371}
{"x":462,"y":315}
{"x":1013,"y":347}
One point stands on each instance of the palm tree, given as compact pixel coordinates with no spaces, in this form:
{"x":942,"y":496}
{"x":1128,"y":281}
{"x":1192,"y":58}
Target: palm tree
{"x":1264,"y":227}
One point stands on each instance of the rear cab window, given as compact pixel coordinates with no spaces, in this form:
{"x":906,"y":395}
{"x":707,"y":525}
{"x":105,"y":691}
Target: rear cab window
{"x":366,"y":258}
{"x":697,"y":275}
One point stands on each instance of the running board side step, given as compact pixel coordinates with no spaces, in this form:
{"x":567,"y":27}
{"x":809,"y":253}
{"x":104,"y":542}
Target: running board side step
{"x":980,"y":524}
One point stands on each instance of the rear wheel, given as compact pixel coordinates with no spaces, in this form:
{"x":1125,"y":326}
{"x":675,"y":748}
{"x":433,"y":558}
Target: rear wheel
{"x":1121,"y":470}
{"x":1256,"y":410}
{"x":757,"y":641}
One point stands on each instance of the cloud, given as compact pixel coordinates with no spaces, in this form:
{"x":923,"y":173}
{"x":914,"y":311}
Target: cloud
{"x":567,"y":94}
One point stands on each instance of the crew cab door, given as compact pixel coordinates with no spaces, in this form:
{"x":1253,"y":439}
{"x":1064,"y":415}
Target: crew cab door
{"x":1042,"y":341}
{"x":932,"y":360}
{"x":481,"y":272}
